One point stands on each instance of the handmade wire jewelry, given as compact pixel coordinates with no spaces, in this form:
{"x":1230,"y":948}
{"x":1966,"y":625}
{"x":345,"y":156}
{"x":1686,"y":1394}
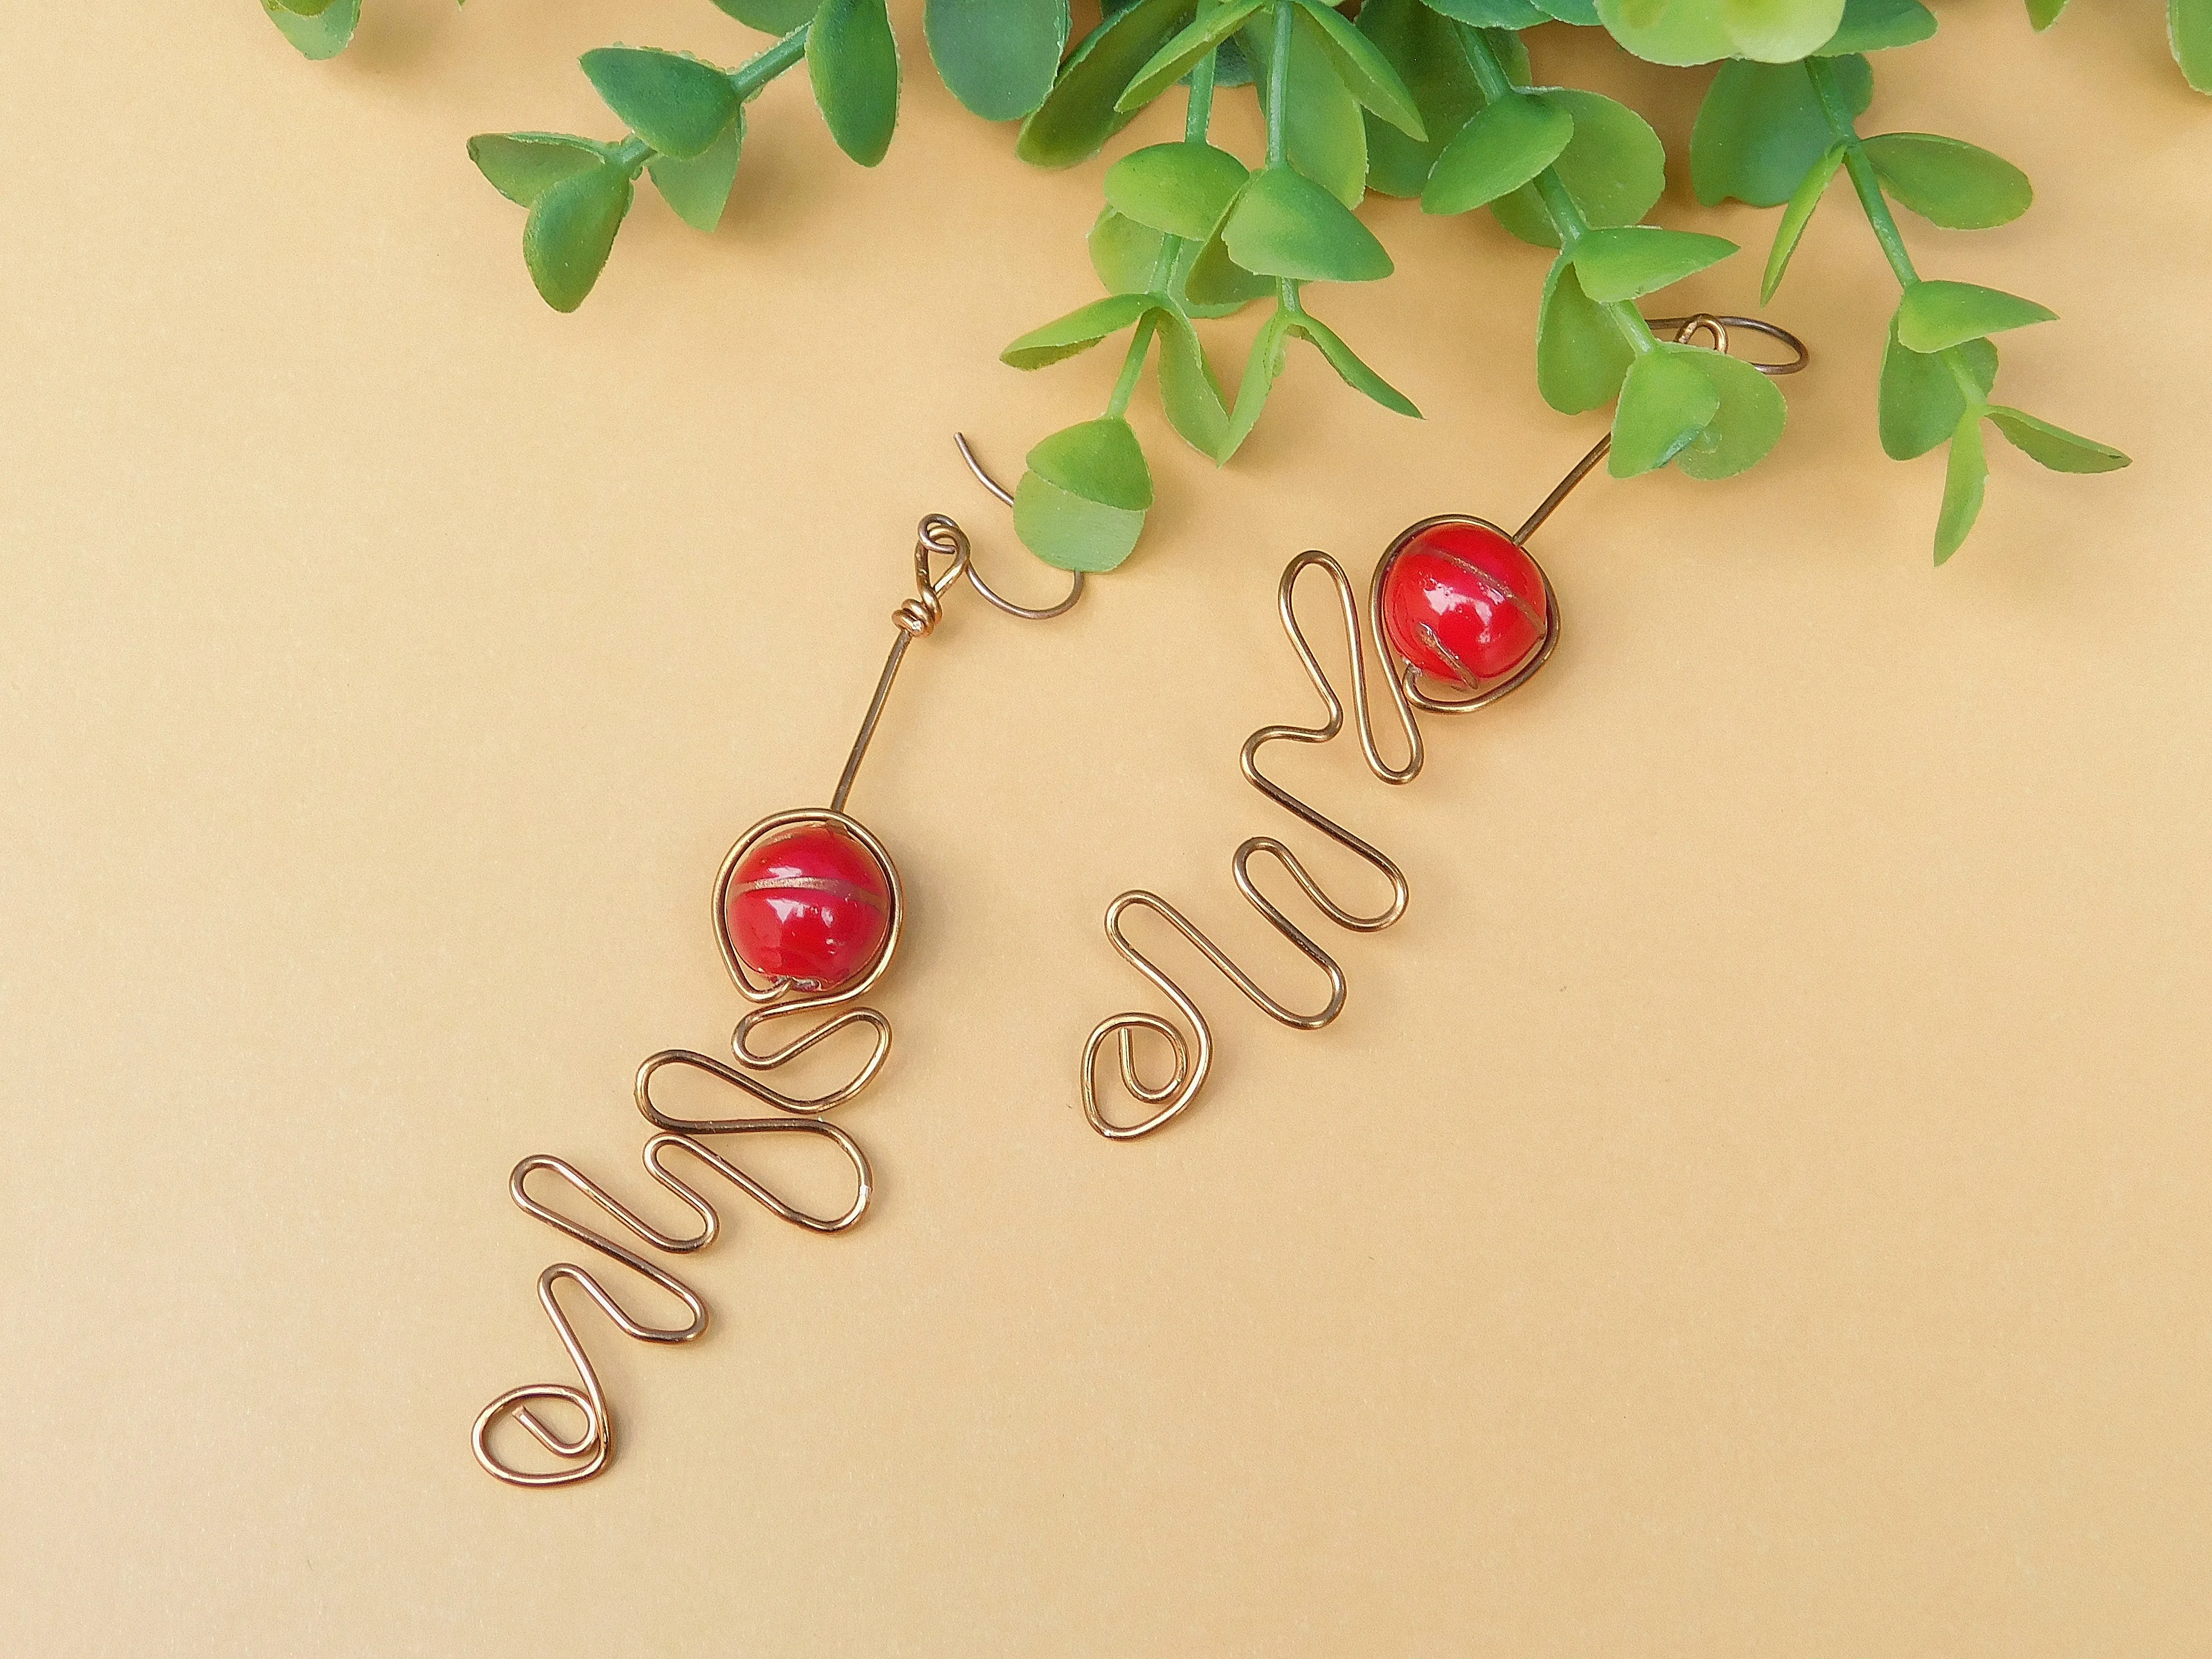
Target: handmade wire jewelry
{"x":808,"y":909}
{"x":1462,"y":616}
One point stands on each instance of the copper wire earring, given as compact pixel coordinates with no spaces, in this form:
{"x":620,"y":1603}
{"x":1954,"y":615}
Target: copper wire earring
{"x":1462,"y":616}
{"x":807,"y":909}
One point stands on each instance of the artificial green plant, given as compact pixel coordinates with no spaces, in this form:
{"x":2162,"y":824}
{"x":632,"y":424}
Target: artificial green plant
{"x":1427,"y":99}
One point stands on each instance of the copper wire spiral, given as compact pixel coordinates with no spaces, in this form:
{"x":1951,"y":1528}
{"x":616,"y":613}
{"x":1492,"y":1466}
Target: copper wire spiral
{"x":1193,"y":1056}
{"x":584,"y":1453}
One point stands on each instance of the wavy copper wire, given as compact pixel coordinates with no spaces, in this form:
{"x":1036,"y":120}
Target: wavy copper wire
{"x":586,"y":1452}
{"x":1193,"y":1056}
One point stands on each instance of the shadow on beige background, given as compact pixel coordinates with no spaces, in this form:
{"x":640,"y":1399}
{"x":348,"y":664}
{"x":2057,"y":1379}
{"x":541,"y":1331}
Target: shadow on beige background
{"x":1756,"y":1203}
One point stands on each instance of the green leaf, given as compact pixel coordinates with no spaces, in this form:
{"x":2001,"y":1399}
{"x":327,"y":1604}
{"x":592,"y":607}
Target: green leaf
{"x":1760,"y":128}
{"x":1933,"y":315}
{"x":2042,"y":14}
{"x":1078,"y":330}
{"x":1071,"y":531}
{"x":1665,"y":403}
{"x":1493,"y":14}
{"x":1775,"y":31}
{"x":1195,"y":404}
{"x":1920,"y":401}
{"x":1796,"y":217}
{"x":1948,"y":181}
{"x":1502,"y":149}
{"x":1231,"y":68}
{"x":777,"y":17}
{"x":1582,"y":13}
{"x":1081,"y":505}
{"x":1877,"y":24}
{"x":317,"y":34}
{"x":1424,"y":48}
{"x":1512,"y":54}
{"x":1367,"y":74}
{"x":997,"y":57}
{"x":1123,"y":252}
{"x":1325,"y":129}
{"x":1262,"y":366}
{"x":1699,"y":31}
{"x":852,"y":61}
{"x":2054,"y":446}
{"x":1614,"y":167}
{"x":1183,"y":189}
{"x":2189,"y":30}
{"x":1079,"y":114}
{"x":1180,"y":55}
{"x":674,"y":102}
{"x":1963,"y":480}
{"x":1581,"y":356}
{"x":1677,"y":31}
{"x":1214,"y":285}
{"x":1286,"y":225}
{"x":699,"y":188}
{"x":1100,"y":461}
{"x":570,"y":231}
{"x":1354,"y":372}
{"x":1622,"y":262}
{"x":1749,"y":423}
{"x":523,"y":165}
{"x":303,"y":7}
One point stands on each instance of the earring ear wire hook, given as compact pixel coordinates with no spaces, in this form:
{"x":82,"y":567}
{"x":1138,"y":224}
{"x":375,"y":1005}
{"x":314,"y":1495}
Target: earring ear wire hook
{"x":1704,"y":322}
{"x":974,"y":577}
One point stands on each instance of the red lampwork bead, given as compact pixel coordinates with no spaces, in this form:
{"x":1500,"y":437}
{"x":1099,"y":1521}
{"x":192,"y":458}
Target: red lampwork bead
{"x":1463,"y":603}
{"x":810,"y":904}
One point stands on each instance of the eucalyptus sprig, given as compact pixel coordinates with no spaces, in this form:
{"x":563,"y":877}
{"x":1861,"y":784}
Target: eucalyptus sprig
{"x":687,"y":120}
{"x":1578,"y":171}
{"x":1189,"y":231}
{"x":1428,"y":98}
{"x":1940,"y":363}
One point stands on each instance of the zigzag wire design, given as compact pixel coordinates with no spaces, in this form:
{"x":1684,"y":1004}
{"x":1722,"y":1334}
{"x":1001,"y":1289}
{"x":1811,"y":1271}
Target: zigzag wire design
{"x":1192,"y":1064}
{"x":581,"y":1455}
{"x":584,"y":1454}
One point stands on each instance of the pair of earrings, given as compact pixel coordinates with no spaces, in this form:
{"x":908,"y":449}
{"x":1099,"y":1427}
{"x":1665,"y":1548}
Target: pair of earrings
{"x":808,"y":909}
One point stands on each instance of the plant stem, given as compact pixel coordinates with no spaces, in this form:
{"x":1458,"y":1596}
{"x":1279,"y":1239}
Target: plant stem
{"x":751,"y":76}
{"x":1868,"y":183}
{"x":1278,"y":124}
{"x":1132,"y":366}
{"x":1197,"y":123}
{"x":1565,"y":214}
{"x":1198,"y":112}
{"x":1279,"y":86}
{"x":633,"y":152}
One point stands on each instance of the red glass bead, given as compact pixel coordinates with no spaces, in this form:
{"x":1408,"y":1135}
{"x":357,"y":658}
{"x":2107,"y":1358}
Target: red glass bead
{"x":1463,"y":603}
{"x":810,"y":904}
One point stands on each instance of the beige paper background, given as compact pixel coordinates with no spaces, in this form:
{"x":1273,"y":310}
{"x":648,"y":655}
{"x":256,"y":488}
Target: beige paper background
{"x":1755,"y":1203}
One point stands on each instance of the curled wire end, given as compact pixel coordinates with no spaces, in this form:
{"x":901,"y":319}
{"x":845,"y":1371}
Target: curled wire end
{"x":1715,"y":328}
{"x":1027,"y":613}
{"x":581,"y":1455}
{"x":975,"y":466}
{"x":585,"y":1453}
